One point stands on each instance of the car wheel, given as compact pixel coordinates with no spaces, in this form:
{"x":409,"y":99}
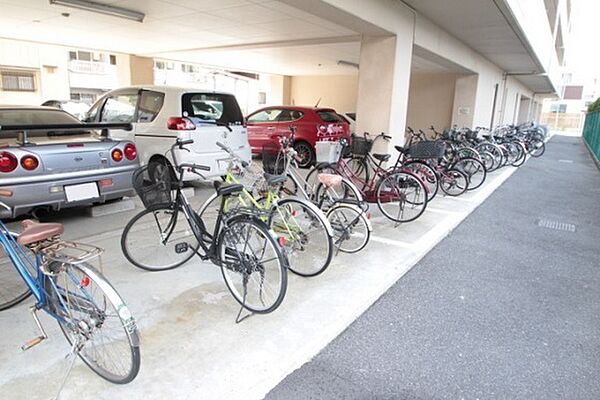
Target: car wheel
{"x":306,"y":154}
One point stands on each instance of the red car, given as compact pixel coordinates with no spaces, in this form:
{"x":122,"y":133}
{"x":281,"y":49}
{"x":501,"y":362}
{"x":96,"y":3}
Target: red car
{"x":267,"y":124}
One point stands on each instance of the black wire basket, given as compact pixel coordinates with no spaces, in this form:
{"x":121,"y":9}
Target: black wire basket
{"x":152,"y":185}
{"x":273,"y":159}
{"x":360,"y":146}
{"x":427,"y":149}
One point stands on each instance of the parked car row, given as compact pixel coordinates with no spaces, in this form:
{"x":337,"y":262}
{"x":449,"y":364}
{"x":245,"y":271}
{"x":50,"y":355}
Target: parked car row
{"x":58,"y":168}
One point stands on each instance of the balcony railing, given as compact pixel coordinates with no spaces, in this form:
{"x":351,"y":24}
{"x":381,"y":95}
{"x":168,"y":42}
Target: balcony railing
{"x":91,"y":67}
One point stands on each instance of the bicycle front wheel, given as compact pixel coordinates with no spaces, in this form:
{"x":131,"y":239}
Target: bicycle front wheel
{"x":401,"y":196}
{"x":306,"y":233}
{"x":351,"y":231}
{"x":158,"y":239}
{"x":253,"y":264}
{"x":95,"y":320}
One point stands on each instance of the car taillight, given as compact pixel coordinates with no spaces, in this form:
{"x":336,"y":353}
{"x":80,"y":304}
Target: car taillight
{"x":117,"y":155}
{"x":130,"y":151}
{"x":180,"y":124}
{"x":29,"y":163}
{"x":8,"y":162}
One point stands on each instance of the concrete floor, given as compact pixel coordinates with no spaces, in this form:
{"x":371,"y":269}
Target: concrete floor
{"x":503,"y":308}
{"x":191,"y":346}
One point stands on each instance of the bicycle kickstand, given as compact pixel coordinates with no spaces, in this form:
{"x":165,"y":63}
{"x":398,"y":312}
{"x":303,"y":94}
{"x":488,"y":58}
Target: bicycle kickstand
{"x":239,"y":318}
{"x":72,"y":355}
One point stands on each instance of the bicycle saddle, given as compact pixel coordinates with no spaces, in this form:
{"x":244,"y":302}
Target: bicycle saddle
{"x":274,"y":179}
{"x":229,"y":189}
{"x":382,"y":157}
{"x":401,"y":149}
{"x":330,"y":180}
{"x":36,"y":232}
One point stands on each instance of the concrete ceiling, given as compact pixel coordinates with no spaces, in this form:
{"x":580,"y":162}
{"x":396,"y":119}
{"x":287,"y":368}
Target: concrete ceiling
{"x":282,"y":39}
{"x":482,"y":26}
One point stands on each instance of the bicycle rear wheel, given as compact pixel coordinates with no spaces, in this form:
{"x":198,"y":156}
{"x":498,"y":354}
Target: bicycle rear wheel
{"x":474,"y":170}
{"x":95,"y":320}
{"x":351,"y":231}
{"x":401,"y":196}
{"x":453,"y":182}
{"x":158,"y":239}
{"x":13,"y":289}
{"x":307,"y":235}
{"x":253,"y":264}
{"x":427,"y":175}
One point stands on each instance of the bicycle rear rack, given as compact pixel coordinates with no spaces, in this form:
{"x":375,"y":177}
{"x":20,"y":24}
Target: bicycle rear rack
{"x":70,"y":252}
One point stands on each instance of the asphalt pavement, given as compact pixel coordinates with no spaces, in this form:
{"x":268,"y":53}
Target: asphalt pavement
{"x":506,"y":307}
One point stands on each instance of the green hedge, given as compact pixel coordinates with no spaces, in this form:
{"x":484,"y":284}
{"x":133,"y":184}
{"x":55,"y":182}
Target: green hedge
{"x":595,"y":106}
{"x":591,"y":132}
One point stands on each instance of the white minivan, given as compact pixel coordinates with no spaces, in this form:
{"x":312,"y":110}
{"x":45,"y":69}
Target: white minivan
{"x":160,"y":114}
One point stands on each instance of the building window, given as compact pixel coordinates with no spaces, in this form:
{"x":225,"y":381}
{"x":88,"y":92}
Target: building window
{"x":558,"y":108}
{"x":113,"y":59}
{"x":159,"y":64}
{"x":72,"y":55}
{"x":18,"y":81}
{"x":262,"y":97}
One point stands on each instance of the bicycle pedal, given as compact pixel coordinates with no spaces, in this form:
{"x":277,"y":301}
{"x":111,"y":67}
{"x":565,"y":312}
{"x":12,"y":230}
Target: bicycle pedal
{"x":33,"y":342}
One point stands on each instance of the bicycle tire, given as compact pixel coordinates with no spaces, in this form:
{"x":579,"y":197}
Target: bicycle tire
{"x":474,"y":170}
{"x":427,"y":175}
{"x":325,"y":197}
{"x":143,"y":250}
{"x":453,"y":178}
{"x":522,"y":155}
{"x":73,"y":300}
{"x":236,"y":274}
{"x":396,"y":187}
{"x":359,"y":167}
{"x":307,"y":235}
{"x":349,"y":222}
{"x":13,"y":290}
{"x":536,"y":148}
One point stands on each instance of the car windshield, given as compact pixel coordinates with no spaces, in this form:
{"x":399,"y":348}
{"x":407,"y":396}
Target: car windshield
{"x":329,"y":116}
{"x":37,"y":117}
{"x":213,"y":107}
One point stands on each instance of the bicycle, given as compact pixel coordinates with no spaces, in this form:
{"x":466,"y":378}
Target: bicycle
{"x":337,"y":196}
{"x":251,"y":258}
{"x":306,"y":232}
{"x":400,"y":194}
{"x":92,"y":316}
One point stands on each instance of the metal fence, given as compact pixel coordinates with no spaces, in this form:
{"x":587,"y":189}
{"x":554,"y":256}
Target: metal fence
{"x":591,"y":133}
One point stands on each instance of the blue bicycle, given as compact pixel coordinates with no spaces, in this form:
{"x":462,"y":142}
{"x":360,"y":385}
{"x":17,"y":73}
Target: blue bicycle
{"x":91,"y":314}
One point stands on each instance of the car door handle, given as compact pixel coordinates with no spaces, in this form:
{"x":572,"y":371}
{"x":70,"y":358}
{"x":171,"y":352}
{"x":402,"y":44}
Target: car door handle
{"x":271,"y":128}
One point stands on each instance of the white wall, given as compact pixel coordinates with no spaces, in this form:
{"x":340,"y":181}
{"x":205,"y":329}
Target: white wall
{"x":338,"y":91}
{"x":430,"y":100}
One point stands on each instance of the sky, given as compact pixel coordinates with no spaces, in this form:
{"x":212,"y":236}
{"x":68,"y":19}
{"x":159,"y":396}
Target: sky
{"x":583,"y":56}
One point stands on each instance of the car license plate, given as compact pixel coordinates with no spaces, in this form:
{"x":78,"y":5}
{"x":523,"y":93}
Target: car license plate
{"x":83,"y":191}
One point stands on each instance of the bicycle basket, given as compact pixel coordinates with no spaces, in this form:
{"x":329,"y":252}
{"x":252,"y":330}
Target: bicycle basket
{"x":328,"y":152}
{"x":273,"y":159}
{"x":152,"y":187}
{"x":427,"y":149}
{"x":360,"y":146}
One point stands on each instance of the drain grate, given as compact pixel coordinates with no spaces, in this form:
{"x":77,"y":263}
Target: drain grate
{"x":556,"y":225}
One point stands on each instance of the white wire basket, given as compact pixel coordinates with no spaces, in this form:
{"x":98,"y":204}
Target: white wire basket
{"x":328,"y":152}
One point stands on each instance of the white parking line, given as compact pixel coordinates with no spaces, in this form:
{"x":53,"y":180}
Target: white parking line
{"x":392,"y":242}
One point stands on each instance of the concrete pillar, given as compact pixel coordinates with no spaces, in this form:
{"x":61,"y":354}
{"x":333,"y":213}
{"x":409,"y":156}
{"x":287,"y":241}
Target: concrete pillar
{"x":287,"y":90}
{"x":465,"y":95}
{"x":383,"y":84}
{"x":142,"y":70}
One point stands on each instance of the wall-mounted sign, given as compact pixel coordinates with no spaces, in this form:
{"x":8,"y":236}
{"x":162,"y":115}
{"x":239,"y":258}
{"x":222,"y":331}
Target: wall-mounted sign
{"x":464,"y":110}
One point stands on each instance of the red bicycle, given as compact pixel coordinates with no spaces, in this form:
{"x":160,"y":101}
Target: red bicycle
{"x":400,"y":194}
